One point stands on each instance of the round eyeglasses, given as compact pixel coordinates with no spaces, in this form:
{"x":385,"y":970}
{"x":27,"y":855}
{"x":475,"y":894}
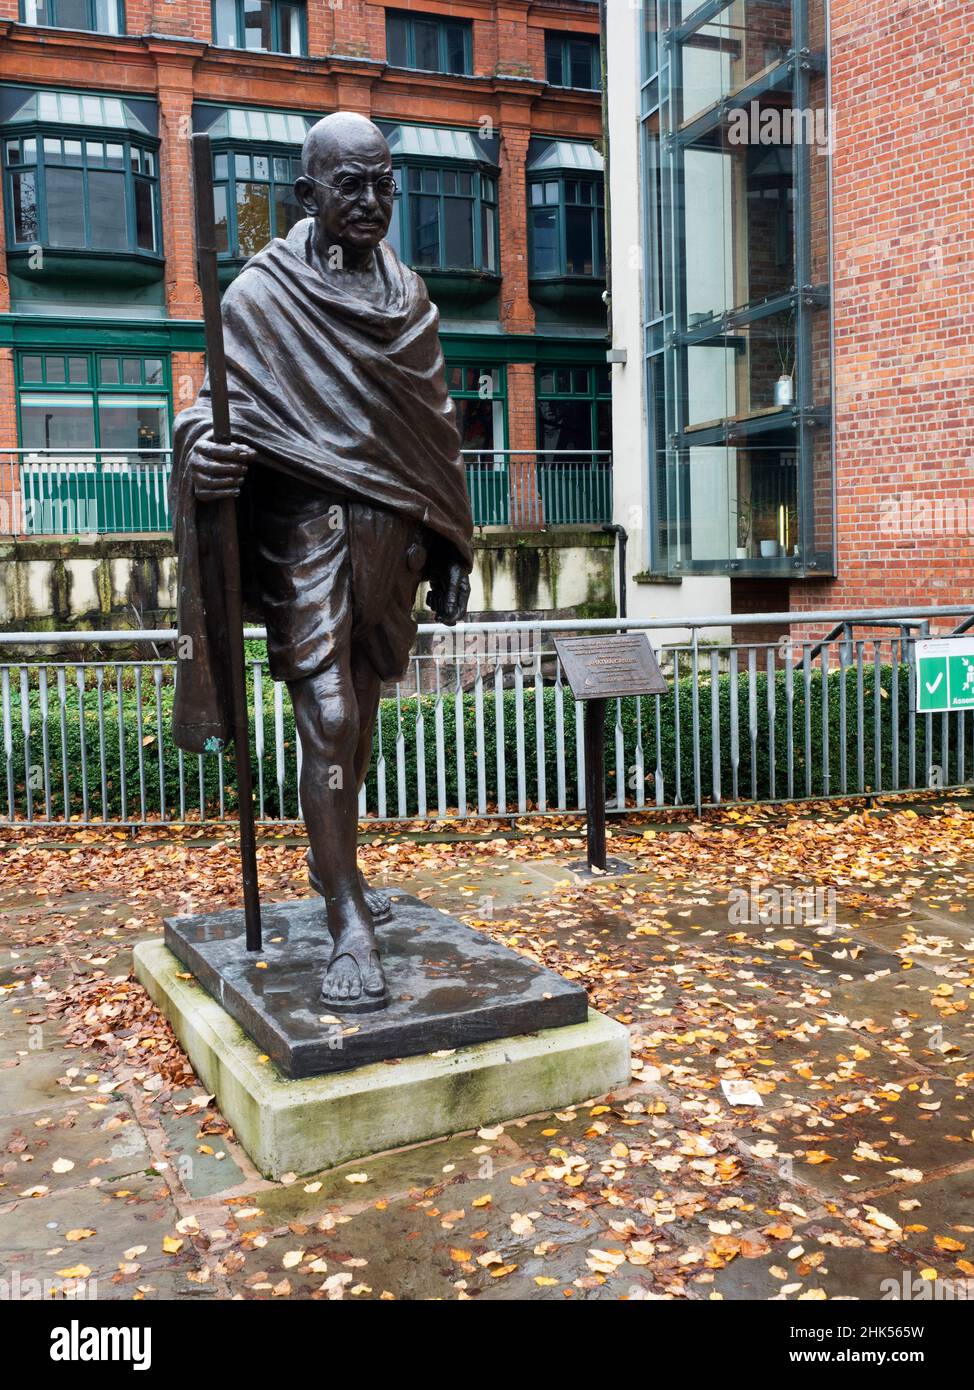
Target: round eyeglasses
{"x":351,"y":187}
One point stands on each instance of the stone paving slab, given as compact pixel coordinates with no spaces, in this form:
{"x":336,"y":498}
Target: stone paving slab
{"x":121,"y":1215}
{"x":665,"y":1190}
{"x":98,"y":1141}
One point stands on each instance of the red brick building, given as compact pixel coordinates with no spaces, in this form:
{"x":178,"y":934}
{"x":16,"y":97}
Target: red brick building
{"x":798,"y":323}
{"x":493,"y":113}
{"x":903,"y":304}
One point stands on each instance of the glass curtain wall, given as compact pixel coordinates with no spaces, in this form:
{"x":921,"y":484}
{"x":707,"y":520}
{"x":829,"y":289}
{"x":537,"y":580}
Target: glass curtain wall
{"x":736,"y":186}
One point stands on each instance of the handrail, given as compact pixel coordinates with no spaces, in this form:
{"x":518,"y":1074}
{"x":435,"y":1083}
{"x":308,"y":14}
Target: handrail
{"x":138,"y":449}
{"x":847,"y":626}
{"x":87,"y":733}
{"x":86,"y":452}
{"x":875,"y":617}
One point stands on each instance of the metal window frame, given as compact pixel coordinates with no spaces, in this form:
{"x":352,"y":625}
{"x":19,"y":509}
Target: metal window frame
{"x":500,"y":395}
{"x":669,"y":335}
{"x":230,"y":148}
{"x":93,"y":389}
{"x":593,"y":396}
{"x":410,"y":17}
{"x":403,"y":199}
{"x":563,"y":38}
{"x":91,"y":7}
{"x":562,"y":177}
{"x":238,"y":5}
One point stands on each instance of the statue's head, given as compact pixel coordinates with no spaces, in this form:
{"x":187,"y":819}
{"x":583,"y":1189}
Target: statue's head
{"x":347,"y":181}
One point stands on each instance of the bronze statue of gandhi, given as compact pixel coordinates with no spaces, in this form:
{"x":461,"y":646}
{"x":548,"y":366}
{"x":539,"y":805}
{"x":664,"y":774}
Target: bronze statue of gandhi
{"x":351,"y":492}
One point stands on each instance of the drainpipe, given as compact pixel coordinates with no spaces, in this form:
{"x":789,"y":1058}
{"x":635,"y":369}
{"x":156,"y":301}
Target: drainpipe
{"x":612,"y":528}
{"x":603,"y":58}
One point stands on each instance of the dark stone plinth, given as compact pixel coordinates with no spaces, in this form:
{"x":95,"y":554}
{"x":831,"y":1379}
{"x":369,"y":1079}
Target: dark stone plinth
{"x":449,"y":986}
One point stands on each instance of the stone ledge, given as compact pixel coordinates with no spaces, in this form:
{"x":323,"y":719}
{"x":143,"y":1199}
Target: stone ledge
{"x":304,"y":1126}
{"x":647,"y":577}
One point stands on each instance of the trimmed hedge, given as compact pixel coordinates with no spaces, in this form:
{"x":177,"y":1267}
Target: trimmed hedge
{"x":817,"y":759}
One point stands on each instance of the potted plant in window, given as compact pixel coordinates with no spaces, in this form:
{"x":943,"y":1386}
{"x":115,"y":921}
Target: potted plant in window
{"x":784,"y":335}
{"x":745,"y":513}
{"x":766,"y":530}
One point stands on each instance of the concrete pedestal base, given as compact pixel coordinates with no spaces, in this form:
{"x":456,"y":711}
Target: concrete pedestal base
{"x":302,"y":1126}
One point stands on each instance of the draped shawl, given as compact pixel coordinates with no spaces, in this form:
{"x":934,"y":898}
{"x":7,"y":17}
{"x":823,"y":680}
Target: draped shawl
{"x":337,"y":391}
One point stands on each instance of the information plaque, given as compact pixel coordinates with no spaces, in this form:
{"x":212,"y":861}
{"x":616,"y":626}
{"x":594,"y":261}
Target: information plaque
{"x":604,"y":668}
{"x":600,"y":669}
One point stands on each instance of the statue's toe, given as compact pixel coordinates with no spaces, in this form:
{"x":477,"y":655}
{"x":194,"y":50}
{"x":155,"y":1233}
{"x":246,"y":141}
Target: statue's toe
{"x":378,"y":903}
{"x":357,"y":985}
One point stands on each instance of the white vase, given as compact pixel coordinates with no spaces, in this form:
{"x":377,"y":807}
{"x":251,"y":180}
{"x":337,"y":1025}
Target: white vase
{"x":770,"y":549}
{"x":784,"y":390}
{"x":741,"y":552}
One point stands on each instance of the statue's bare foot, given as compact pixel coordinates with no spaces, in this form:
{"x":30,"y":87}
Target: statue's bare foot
{"x":378,"y":903}
{"x":354,"y":982}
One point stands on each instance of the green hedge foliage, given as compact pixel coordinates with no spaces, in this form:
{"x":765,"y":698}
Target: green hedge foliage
{"x":872,"y":758}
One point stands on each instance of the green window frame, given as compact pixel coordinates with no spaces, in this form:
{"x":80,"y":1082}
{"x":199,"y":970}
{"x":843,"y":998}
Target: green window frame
{"x":429,"y":43}
{"x":566,"y":226}
{"x":573,"y":61}
{"x":62,"y":190}
{"x":93,"y":384}
{"x":253,"y":192}
{"x":586,"y":394}
{"x":261,"y":26}
{"x":574,"y":443}
{"x":89,"y":16}
{"x":442,"y":210}
{"x":480,"y":393}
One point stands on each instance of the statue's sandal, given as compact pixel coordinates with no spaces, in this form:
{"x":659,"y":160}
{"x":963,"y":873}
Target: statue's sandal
{"x":378,"y":903}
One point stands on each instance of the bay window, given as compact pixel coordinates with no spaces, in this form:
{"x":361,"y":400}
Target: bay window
{"x":81,"y":194}
{"x":256,"y":159}
{"x":567,"y":227}
{"x":566,"y":211}
{"x":446,"y":218}
{"x":81,"y":174}
{"x":254,"y":199}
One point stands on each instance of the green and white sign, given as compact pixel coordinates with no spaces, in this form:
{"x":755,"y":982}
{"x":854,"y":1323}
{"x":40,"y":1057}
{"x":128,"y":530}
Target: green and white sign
{"x":945,"y":674}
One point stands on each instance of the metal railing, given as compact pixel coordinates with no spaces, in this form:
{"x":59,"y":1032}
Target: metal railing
{"x":484,"y":724}
{"x":76,"y":492}
{"x":69,"y":492}
{"x":532,"y":489}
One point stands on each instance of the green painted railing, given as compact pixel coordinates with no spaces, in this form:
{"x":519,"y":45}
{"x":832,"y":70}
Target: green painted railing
{"x":74,"y":492}
{"x":528,"y":490}
{"x":84,"y":492}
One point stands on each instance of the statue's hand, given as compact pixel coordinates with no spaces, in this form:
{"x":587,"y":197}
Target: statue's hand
{"x":449,"y":594}
{"x":219,"y":470}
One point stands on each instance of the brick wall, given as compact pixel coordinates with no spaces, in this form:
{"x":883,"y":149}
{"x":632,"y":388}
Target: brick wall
{"x":188,"y":369}
{"x":10,"y":516}
{"x":903,"y":217}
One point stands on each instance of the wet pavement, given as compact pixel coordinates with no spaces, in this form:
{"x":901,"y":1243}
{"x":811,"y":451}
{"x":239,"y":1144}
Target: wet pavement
{"x":800,"y":1124}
